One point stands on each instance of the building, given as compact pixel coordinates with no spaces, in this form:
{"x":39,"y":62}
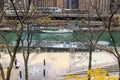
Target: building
{"x":68,"y":4}
{"x":46,"y":3}
{"x":82,"y":5}
{"x":19,"y":4}
{"x":1,"y":5}
{"x":71,"y":4}
{"x":101,"y":5}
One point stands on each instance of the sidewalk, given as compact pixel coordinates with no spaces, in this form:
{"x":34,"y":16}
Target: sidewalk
{"x":37,"y":71}
{"x":56,"y":64}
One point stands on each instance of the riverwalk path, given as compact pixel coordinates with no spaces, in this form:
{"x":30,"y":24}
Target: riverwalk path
{"x":52,"y":65}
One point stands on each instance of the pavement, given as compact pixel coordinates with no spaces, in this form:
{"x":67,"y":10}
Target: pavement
{"x":51,"y":65}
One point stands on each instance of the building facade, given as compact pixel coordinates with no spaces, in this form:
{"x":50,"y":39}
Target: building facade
{"x":46,"y":3}
{"x":71,"y":4}
{"x":19,"y":4}
{"x":1,"y":4}
{"x":82,"y":5}
{"x":101,"y":5}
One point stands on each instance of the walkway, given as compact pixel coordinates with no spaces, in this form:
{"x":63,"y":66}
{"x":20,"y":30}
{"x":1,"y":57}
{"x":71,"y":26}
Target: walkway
{"x":48,"y":66}
{"x":37,"y":71}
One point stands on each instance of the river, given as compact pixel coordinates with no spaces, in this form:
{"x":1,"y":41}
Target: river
{"x":63,"y":37}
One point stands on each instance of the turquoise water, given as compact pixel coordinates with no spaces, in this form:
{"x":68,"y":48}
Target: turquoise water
{"x":82,"y":36}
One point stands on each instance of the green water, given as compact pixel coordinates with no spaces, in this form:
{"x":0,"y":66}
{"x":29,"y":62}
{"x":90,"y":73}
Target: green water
{"x":11,"y":36}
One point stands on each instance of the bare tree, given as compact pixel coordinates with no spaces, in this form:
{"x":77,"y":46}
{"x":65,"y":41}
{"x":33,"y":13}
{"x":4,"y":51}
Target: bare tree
{"x":26,"y":44}
{"x":113,"y":9}
{"x":17,"y":26}
{"x":87,"y":29}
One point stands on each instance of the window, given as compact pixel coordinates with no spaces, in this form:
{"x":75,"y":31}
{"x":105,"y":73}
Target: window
{"x":71,"y":4}
{"x":75,"y":4}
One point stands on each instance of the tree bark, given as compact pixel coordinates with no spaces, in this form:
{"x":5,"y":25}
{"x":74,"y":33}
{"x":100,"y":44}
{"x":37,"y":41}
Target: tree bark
{"x":26,"y":70}
{"x":119,"y":68}
{"x":2,"y":72}
{"x":90,"y":63}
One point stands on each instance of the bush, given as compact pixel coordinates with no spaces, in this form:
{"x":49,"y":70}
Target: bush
{"x":96,"y":74}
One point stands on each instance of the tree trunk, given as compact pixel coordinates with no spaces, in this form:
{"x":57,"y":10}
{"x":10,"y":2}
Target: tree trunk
{"x":119,"y":68}
{"x":90,"y":63}
{"x":8,"y":72}
{"x":10,"y":67}
{"x":13,"y":57}
{"x":26,"y":70}
{"x":90,"y":60}
{"x":2,"y":72}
